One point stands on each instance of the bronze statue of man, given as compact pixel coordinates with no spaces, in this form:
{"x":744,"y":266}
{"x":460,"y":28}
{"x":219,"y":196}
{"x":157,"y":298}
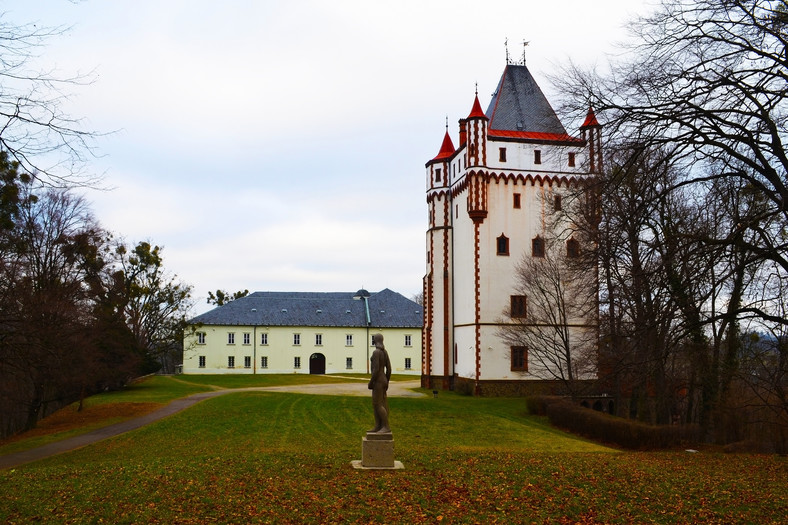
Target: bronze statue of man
{"x":379,"y":384}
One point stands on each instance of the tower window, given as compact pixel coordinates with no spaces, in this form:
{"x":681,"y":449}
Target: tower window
{"x":502,"y":245}
{"x":557,"y":203}
{"x":537,"y":156}
{"x":502,"y":154}
{"x":519,"y":359}
{"x":572,"y":248}
{"x":518,"y":306}
{"x":517,"y":200}
{"x":437,"y":174}
{"x":537,"y":247}
{"x":571,"y":160}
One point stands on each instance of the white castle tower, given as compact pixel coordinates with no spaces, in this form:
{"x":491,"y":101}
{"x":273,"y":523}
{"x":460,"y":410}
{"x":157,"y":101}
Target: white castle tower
{"x":488,"y":200}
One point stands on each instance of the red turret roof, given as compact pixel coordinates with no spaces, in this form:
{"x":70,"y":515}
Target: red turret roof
{"x":590,"y":119}
{"x":447,"y":148}
{"x":476,"y":110}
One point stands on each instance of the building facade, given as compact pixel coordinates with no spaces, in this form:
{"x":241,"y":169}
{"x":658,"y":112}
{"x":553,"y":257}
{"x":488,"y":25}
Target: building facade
{"x":304,"y":333}
{"x":490,"y":201}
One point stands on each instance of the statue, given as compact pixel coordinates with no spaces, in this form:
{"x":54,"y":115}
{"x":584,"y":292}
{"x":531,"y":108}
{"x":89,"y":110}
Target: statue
{"x":379,"y":384}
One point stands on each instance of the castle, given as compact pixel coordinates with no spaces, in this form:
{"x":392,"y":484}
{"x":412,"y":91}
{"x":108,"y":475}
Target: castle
{"x":491,"y":201}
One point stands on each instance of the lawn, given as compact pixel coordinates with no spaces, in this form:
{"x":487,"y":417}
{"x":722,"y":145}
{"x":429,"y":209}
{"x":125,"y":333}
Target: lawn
{"x":256,"y":457}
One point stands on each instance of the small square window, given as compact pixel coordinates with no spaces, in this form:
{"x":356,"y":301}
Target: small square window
{"x":518,"y":306}
{"x":519,"y":359}
{"x":537,"y":156}
{"x":517,"y":201}
{"x":502,"y":154}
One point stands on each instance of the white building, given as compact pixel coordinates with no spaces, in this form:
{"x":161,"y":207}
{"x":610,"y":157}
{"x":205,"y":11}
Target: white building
{"x":304,"y":333}
{"x":489,"y":201}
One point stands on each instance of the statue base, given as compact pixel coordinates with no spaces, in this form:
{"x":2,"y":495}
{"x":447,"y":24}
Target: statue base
{"x":377,"y":453}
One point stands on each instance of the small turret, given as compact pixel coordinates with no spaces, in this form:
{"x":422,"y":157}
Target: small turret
{"x":476,"y":135}
{"x":591,"y":131}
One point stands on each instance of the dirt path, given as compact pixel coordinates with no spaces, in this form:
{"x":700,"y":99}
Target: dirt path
{"x":396,"y":389}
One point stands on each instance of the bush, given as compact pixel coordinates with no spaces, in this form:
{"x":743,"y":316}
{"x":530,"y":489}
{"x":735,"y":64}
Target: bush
{"x":625,"y":433}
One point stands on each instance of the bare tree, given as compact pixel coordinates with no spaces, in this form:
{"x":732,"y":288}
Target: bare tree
{"x":35,"y":129}
{"x":552,"y":320}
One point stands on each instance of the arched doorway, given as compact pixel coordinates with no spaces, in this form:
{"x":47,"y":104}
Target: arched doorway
{"x":317,"y":364}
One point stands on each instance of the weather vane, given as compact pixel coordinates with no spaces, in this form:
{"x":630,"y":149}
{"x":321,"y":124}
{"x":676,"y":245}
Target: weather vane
{"x":506,"y":47}
{"x":525,"y":44}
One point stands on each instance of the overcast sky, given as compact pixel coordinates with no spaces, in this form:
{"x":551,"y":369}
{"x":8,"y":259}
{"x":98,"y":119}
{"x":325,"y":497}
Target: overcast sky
{"x":281,"y":145}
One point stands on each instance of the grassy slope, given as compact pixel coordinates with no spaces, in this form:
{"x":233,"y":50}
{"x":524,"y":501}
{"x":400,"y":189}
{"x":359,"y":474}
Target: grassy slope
{"x":284,"y":458}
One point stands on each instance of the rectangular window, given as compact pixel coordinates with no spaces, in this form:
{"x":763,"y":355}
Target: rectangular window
{"x":263,"y":339}
{"x":502,"y":154}
{"x":231,"y":338}
{"x":437,"y":174}
{"x":517,"y":201}
{"x":502,"y":245}
{"x":518,"y":306}
{"x":247,"y":361}
{"x":296,"y":339}
{"x":264,"y":361}
{"x":557,"y":203}
{"x":571,"y":160}
{"x":537,"y":156}
{"x":349,"y":363}
{"x":247,"y":338}
{"x":537,"y":247}
{"x":231,"y":361}
{"x":201,"y":360}
{"x":408,"y":340}
{"x":407,"y":363}
{"x":200,"y":338}
{"x":296,"y":362}
{"x":519,"y":359}
{"x":349,"y":340}
{"x":318,"y":339}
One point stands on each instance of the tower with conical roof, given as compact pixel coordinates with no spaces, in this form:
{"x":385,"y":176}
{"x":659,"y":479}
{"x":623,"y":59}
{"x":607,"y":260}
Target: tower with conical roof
{"x":489,"y":202}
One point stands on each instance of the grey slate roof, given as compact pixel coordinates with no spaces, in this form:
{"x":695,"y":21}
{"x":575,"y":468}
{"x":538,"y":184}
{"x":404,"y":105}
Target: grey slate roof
{"x":387,"y":309}
{"x":519,"y":105}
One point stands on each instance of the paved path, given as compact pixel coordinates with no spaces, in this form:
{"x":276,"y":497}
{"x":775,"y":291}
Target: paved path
{"x":396,"y":389}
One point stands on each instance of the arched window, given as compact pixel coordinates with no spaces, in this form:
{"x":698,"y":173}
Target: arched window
{"x":537,"y":247}
{"x":502,"y":245}
{"x":572,"y":248}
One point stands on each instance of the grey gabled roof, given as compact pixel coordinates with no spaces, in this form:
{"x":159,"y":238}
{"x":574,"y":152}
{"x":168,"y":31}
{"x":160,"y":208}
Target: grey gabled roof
{"x":519,"y":105}
{"x":387,"y":309}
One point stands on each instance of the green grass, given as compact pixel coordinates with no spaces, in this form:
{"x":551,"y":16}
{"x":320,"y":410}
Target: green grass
{"x":256,"y":457}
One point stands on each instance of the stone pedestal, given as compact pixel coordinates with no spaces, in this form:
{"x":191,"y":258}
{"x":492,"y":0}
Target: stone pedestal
{"x":377,"y":452}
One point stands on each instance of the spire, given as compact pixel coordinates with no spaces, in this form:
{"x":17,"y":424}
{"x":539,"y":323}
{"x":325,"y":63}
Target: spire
{"x":591,"y":120}
{"x":447,"y":148}
{"x":476,"y":111}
